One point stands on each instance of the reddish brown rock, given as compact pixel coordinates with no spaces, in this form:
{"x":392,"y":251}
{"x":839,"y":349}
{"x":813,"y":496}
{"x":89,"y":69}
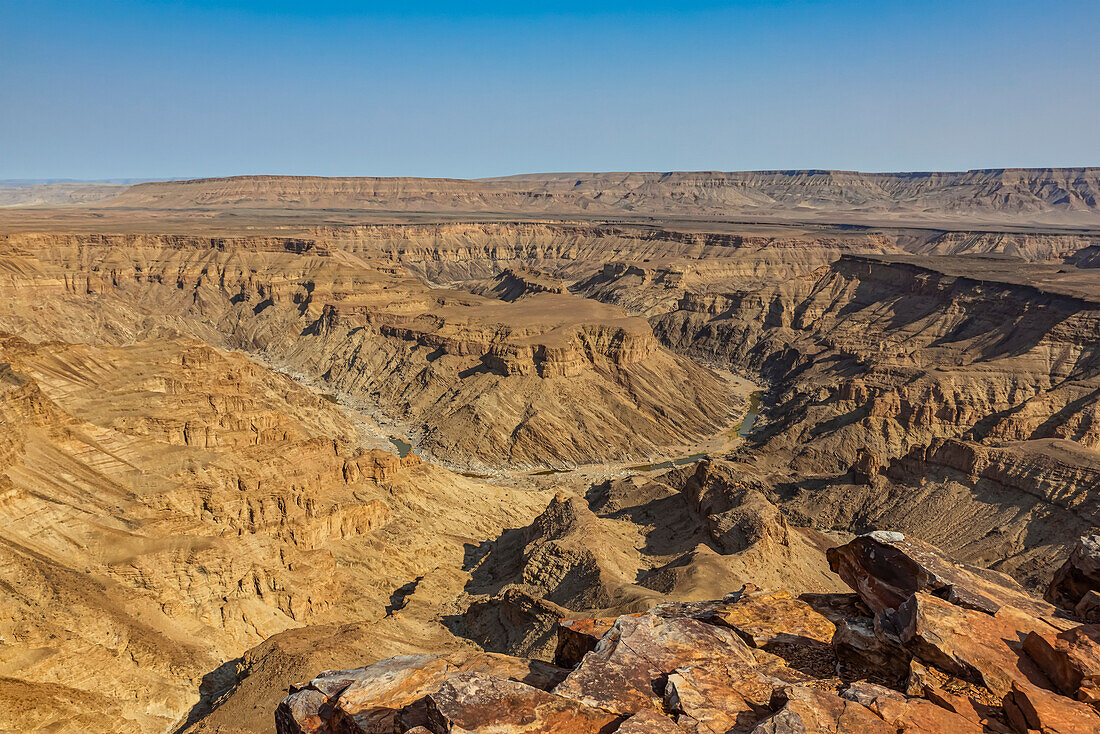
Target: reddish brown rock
{"x":488,"y":705}
{"x":810,"y":711}
{"x":300,"y":713}
{"x":970,"y":701}
{"x":837,"y":607}
{"x":865,"y":653}
{"x":886,"y":568}
{"x":1090,"y":694}
{"x":762,"y":618}
{"x":1078,"y":576}
{"x":1069,"y":659}
{"x":621,"y":673}
{"x":909,"y":715}
{"x":1031,"y":708}
{"x":576,"y":637}
{"x":1088,"y":609}
{"x":717,"y":699}
{"x":388,"y":695}
{"x":784,"y":626}
{"x":971,"y":645}
{"x":650,"y":722}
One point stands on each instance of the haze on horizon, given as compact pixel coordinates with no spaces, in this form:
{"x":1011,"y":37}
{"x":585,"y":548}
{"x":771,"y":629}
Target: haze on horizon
{"x":142,"y":89}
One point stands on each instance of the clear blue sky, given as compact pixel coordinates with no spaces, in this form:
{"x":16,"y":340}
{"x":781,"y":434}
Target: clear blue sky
{"x":131,"y":88}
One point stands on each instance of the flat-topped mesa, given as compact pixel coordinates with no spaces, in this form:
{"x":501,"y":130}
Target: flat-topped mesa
{"x":572,"y":336}
{"x":136,"y":242}
{"x":1054,"y":285}
{"x":1009,"y":193}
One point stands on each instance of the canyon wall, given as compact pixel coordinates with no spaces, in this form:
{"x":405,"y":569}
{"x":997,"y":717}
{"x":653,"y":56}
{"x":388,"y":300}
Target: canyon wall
{"x":1054,"y":193}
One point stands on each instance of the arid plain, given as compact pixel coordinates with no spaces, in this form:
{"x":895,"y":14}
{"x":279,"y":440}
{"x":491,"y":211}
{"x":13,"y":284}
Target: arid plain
{"x":261,"y":427}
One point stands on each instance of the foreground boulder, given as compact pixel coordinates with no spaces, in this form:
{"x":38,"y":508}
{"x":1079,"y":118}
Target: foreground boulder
{"x":807,"y":710}
{"x":389,"y":696}
{"x":578,"y":637}
{"x":925,"y":646}
{"x":622,"y":673}
{"x":1070,"y":659}
{"x":974,"y":646}
{"x":886,"y":568}
{"x":908,"y":713}
{"x":482,"y":703}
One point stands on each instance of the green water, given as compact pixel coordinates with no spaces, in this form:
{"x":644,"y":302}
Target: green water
{"x":749,"y":420}
{"x":403,"y":447}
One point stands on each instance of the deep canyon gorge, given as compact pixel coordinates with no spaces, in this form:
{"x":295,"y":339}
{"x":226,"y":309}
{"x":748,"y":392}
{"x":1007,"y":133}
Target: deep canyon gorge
{"x":263,"y":434}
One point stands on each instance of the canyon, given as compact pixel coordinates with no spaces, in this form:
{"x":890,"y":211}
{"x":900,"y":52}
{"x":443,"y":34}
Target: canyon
{"x":263,"y":434}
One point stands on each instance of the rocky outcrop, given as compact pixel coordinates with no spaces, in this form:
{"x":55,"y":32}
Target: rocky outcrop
{"x":920,"y":382}
{"x":518,"y":619}
{"x":1070,"y":659}
{"x":689,"y":533}
{"x":887,"y":568}
{"x":762,"y":662}
{"x":737,"y":512}
{"x":1076,"y":585}
{"x":389,"y":696}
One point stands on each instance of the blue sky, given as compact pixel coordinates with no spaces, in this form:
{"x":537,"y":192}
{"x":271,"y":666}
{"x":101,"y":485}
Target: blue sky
{"x":200,"y":88}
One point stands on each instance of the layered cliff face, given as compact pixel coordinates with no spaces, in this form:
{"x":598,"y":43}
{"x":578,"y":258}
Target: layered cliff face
{"x":548,"y":380}
{"x":1057,"y":194}
{"x":168,"y":505}
{"x":876,"y":358}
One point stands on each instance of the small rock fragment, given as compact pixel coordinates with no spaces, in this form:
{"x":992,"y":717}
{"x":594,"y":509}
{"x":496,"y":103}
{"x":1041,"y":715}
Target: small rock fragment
{"x":488,"y":705}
